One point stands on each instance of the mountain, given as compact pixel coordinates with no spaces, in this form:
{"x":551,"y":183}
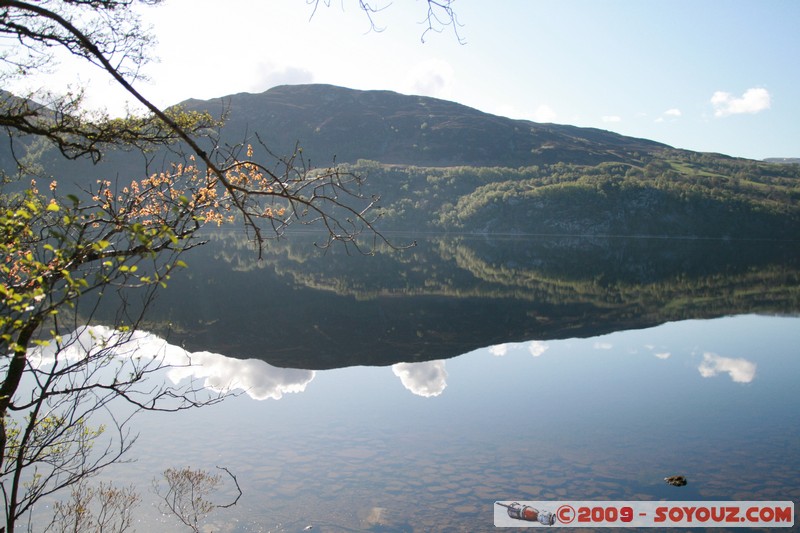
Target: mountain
{"x":439,"y":166}
{"x":442,"y":166}
{"x":392,"y":128}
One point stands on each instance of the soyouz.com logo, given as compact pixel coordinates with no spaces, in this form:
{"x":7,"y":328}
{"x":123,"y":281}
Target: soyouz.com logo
{"x":644,"y":514}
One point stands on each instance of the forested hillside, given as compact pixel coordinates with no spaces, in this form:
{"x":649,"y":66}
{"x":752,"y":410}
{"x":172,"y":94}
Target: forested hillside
{"x":444,"y":167}
{"x":676,"y":193}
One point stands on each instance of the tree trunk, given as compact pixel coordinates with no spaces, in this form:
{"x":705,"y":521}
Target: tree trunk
{"x":16,"y":368}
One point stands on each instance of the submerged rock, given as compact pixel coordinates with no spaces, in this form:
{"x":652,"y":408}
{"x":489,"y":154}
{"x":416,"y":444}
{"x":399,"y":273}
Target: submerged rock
{"x":676,"y":481}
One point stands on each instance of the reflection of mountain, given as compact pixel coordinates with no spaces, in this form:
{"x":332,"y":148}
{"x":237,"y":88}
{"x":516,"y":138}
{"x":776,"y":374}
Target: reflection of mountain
{"x":300,"y":308}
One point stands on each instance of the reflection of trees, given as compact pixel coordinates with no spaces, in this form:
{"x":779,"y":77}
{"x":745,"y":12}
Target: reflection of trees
{"x":304,"y":308}
{"x":670,"y":293}
{"x":673,"y":276}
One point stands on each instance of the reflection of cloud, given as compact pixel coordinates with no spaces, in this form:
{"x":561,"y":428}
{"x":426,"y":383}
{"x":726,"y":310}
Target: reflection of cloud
{"x":220,"y":373}
{"x":537,"y":348}
{"x":423,"y":379}
{"x":752,"y":101}
{"x":660,"y":355}
{"x":498,"y":349}
{"x":258,"y":379}
{"x":740,"y":370}
{"x":603,"y":345}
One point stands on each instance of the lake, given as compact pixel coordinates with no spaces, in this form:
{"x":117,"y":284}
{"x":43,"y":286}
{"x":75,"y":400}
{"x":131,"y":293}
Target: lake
{"x":410,"y":391}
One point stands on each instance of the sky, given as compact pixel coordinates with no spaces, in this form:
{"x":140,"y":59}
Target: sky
{"x":711,"y":75}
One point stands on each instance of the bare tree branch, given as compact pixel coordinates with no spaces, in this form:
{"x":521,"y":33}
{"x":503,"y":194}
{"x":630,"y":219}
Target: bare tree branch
{"x":439,"y":15}
{"x":62,"y":255}
{"x":187,"y":492}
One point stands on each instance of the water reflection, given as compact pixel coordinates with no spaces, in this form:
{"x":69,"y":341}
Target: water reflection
{"x":740,"y":370}
{"x":261,"y":381}
{"x":218,"y":373}
{"x":257,"y":379}
{"x":599,"y":339}
{"x":535,"y":348}
{"x":423,"y":379}
{"x":452,"y":295}
{"x":601,"y":418}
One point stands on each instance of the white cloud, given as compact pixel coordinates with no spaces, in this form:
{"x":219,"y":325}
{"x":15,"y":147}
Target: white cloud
{"x":268,"y":75}
{"x":603,"y":345}
{"x":612,"y":118}
{"x":752,"y":101}
{"x":433,"y":77}
{"x":739,"y":370}
{"x":423,"y":379}
{"x":544,"y":113}
{"x":670,"y":114}
{"x":662,"y":355}
{"x":537,"y":348}
{"x":498,"y":349}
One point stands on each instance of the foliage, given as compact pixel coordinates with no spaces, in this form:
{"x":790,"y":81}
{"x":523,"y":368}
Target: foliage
{"x":62,"y":256}
{"x":674,"y":193}
{"x":107,"y":33}
{"x":95,"y":509}
{"x":67,"y":253}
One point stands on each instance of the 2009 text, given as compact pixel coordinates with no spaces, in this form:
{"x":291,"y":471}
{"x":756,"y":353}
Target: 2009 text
{"x":647,"y":513}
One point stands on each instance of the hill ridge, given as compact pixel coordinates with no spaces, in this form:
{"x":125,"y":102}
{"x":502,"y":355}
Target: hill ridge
{"x":330,"y":121}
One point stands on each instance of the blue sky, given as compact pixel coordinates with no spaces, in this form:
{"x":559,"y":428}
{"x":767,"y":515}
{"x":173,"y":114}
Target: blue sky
{"x":705,"y":75}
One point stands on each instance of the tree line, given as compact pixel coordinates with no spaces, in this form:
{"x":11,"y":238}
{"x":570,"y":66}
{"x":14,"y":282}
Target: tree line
{"x":690,"y":193}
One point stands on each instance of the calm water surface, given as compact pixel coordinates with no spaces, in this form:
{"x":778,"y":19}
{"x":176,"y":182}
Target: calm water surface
{"x":431,"y":446}
{"x":411,"y":392}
